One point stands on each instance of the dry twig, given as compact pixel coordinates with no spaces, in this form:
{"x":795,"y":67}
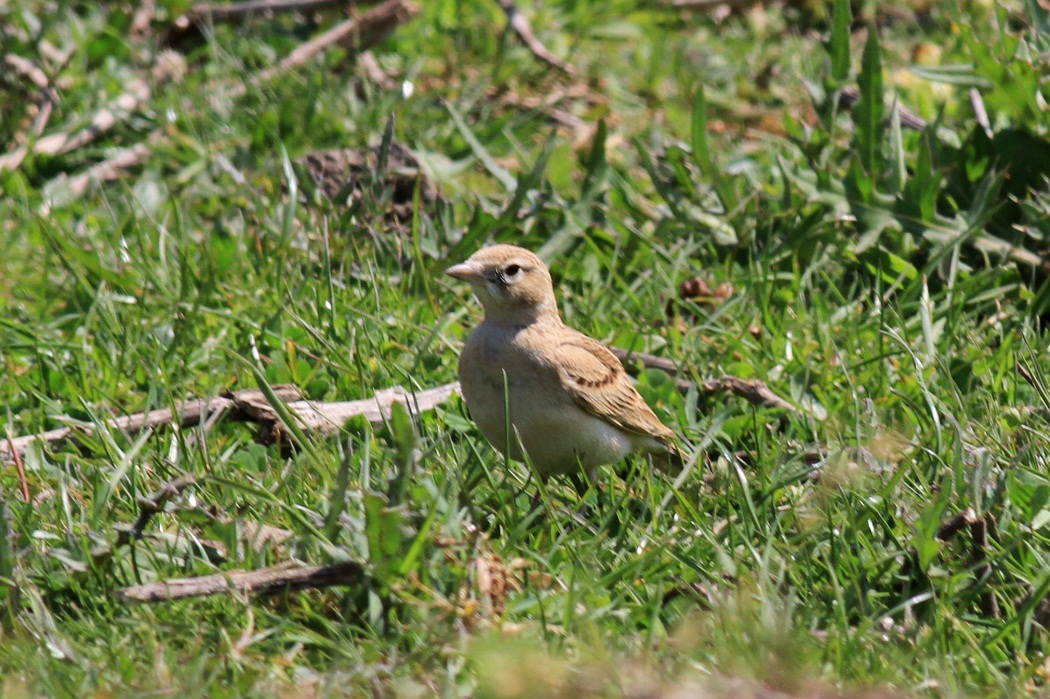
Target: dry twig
{"x":956,"y":523}
{"x":983,"y":572}
{"x":754,"y":391}
{"x":20,"y":467}
{"x":978,"y":526}
{"x":188,"y":26}
{"x":521,"y":26}
{"x":353,"y":34}
{"x":549,"y":104}
{"x":375,"y":72}
{"x":48,"y":100}
{"x":142,"y":19}
{"x":979,"y":111}
{"x":106,"y":171}
{"x":1027,"y":375}
{"x":329,"y":418}
{"x":234,"y":11}
{"x":65,"y":141}
{"x":266,"y":581}
{"x":241,"y":405}
{"x":708,"y":5}
{"x":27,"y":69}
{"x":850,"y":95}
{"x":151,"y":505}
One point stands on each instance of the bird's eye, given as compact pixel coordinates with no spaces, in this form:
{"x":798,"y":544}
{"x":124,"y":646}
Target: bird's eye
{"x":512,"y":270}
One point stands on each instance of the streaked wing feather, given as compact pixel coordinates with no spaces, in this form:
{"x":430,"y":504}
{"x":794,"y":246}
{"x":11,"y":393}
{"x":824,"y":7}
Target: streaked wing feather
{"x":599,"y":385}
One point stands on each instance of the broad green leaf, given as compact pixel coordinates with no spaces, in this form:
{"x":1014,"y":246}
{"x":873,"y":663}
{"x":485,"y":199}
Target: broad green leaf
{"x":838,"y":44}
{"x":1039,"y":16}
{"x":919,"y":198}
{"x":405,"y":441}
{"x":859,"y":183}
{"x":925,"y":540}
{"x":596,"y":166}
{"x":337,"y":498}
{"x":384,"y":145}
{"x":869,"y":111}
{"x":383,"y":532}
{"x":891,"y":268}
{"x":702,"y":153}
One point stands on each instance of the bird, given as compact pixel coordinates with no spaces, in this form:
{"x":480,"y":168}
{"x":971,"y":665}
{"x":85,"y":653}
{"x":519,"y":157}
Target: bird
{"x":572,"y":405}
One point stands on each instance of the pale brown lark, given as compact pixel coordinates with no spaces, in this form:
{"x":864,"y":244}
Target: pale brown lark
{"x":571,"y":402}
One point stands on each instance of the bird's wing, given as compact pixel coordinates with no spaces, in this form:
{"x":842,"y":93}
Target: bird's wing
{"x":597,"y":382}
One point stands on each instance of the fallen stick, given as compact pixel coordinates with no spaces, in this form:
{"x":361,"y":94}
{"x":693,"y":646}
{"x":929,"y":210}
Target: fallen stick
{"x":27,"y":69}
{"x":560,"y":117}
{"x":151,"y":505}
{"x":106,"y":171}
{"x":650,"y":361}
{"x":353,"y":34}
{"x":706,"y":5}
{"x":983,"y":570}
{"x":251,"y":405}
{"x":266,"y":581}
{"x":233,"y":11}
{"x":190,"y":25}
{"x":329,"y":418}
{"x":956,"y":523}
{"x":850,"y":95}
{"x":148,"y":506}
{"x":141,"y":20}
{"x":66,"y":141}
{"x":753,"y":391}
{"x":375,"y":72}
{"x":243,"y":404}
{"x":47,"y":108}
{"x":20,"y":468}
{"x":48,"y":100}
{"x":948,"y":529}
{"x":521,"y":26}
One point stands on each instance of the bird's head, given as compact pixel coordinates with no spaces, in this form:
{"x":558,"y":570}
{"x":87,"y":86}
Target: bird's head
{"x":513,"y":285}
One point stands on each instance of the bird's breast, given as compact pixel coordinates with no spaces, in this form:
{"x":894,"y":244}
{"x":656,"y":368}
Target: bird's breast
{"x":497,"y":370}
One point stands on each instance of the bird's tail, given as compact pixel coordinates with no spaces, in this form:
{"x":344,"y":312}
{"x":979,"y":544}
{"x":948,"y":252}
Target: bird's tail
{"x":671,"y":461}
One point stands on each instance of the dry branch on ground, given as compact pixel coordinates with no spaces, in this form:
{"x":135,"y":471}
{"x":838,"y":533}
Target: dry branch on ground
{"x":754,"y":391}
{"x":523,"y":28}
{"x":241,"y":405}
{"x":266,"y":581}
{"x":354,"y":34}
{"x":62,"y":142}
{"x":328,"y":418}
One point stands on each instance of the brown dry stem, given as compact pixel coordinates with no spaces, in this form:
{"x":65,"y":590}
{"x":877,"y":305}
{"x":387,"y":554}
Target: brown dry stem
{"x":523,"y":28}
{"x":754,"y":391}
{"x":285,"y":577}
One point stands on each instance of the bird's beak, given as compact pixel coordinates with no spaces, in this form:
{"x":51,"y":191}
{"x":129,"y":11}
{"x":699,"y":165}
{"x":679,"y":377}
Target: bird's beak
{"x":464,"y":270}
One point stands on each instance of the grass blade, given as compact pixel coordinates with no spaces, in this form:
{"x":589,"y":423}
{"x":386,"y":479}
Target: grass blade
{"x":702,"y":152}
{"x":495,"y":169}
{"x":870,"y":109}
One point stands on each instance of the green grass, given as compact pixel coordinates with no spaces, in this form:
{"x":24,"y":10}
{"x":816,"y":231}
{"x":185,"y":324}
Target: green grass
{"x":870,"y":287}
